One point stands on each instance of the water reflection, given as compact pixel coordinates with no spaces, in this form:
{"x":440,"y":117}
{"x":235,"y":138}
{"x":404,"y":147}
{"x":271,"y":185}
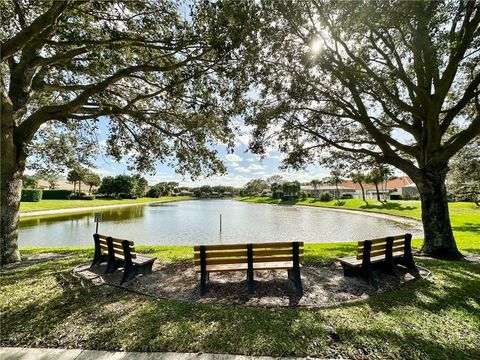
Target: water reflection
{"x":195,"y":222}
{"x":116,"y":214}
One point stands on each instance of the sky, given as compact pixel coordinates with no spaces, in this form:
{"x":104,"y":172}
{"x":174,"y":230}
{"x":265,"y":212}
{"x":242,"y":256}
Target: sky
{"x":242,"y":166}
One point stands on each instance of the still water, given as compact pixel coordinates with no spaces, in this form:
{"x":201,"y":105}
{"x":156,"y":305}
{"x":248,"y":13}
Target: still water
{"x":198,"y":222}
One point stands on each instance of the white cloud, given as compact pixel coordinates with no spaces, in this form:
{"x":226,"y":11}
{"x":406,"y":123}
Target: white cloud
{"x":242,"y":170}
{"x":256,"y":167}
{"x":234,"y":164}
{"x":233,"y":157}
{"x":244,"y":139}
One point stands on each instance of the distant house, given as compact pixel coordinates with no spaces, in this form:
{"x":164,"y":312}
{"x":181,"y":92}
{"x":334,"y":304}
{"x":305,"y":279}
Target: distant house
{"x":185,"y":193}
{"x":316,"y":191}
{"x":63,"y":185}
{"x":401,"y":186}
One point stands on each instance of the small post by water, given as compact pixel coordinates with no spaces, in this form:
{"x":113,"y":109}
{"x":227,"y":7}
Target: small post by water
{"x":97,"y":219}
{"x":220,"y":223}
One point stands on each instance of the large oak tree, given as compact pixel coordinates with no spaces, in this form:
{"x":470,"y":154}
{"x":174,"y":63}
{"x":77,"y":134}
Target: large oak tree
{"x":153,"y":69}
{"x":394,"y":81}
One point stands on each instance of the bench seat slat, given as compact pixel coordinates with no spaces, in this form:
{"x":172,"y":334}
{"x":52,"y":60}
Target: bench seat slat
{"x":143,"y":259}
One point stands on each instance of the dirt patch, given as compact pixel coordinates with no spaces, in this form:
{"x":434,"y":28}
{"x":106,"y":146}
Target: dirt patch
{"x":324,"y":285}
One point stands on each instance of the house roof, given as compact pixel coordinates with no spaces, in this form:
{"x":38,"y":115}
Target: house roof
{"x":398,"y":182}
{"x":62,"y":185}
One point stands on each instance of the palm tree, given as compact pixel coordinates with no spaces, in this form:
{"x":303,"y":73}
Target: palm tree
{"x":359,"y":178}
{"x":92,"y":179}
{"x":335,"y":179}
{"x":315,"y":184}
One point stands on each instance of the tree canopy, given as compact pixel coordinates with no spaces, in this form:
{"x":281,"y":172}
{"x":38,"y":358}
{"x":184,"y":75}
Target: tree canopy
{"x":150,"y":67}
{"x":394,"y":81}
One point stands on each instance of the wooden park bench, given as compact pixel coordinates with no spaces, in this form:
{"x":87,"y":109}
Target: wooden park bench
{"x":249,"y":257}
{"x":118,"y":253}
{"x":386,"y":253}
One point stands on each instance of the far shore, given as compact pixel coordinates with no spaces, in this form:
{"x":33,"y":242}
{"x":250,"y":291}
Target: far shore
{"x":24,"y":214}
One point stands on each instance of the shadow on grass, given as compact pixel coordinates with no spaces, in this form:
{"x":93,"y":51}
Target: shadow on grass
{"x":60,"y":310}
{"x":468,"y":227}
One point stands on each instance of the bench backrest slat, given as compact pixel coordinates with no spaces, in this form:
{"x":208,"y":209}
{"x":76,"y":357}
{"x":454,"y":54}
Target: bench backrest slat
{"x":238,"y":254}
{"x":244,"y":246}
{"x":117,"y":246}
{"x":379,"y":246}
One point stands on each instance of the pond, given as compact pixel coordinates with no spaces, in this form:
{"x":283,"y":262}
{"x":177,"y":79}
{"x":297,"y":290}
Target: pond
{"x":198,"y":222}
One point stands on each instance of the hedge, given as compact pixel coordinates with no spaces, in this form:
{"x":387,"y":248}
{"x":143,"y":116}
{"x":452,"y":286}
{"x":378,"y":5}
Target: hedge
{"x":31,"y":195}
{"x":57,"y":194}
{"x":82,"y":197}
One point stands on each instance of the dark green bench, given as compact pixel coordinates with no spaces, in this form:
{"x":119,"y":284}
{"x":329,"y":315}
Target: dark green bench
{"x":118,"y":253}
{"x":385,"y":253}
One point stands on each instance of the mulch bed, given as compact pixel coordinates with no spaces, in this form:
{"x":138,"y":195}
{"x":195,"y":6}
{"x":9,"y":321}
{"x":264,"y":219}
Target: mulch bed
{"x":324,"y":285}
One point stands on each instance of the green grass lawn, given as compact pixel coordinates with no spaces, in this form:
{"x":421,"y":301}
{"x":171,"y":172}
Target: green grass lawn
{"x":45,"y":305}
{"x":70,"y":204}
{"x":465,"y":217}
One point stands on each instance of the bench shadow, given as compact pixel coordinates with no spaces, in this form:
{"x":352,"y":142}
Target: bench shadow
{"x":34,"y":260}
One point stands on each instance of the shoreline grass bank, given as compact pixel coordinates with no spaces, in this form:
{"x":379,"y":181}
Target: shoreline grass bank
{"x":47,"y":207}
{"x":465,"y":217}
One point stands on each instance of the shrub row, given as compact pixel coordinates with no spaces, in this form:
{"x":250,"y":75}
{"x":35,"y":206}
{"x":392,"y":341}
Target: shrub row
{"x":82,"y":197}
{"x":57,"y":194}
{"x":31,"y":195}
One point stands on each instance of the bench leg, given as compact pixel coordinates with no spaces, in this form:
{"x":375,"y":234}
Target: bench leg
{"x":250,"y":282}
{"x":203,"y":283}
{"x":349,"y":270}
{"x":147,"y":268}
{"x":113,"y":265}
{"x":294,"y":276}
{"x":389,"y":266}
{"x":98,"y":259}
{"x":367,"y":273}
{"x":129,"y":272}
{"x":409,"y":263}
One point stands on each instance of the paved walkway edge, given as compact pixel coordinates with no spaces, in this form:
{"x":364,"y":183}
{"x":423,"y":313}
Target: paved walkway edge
{"x":17,"y":353}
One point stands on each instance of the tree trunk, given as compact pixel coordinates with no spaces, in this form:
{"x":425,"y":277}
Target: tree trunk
{"x":378,"y":193}
{"x":363,"y":193}
{"x":439,"y":241}
{"x":13,"y":165}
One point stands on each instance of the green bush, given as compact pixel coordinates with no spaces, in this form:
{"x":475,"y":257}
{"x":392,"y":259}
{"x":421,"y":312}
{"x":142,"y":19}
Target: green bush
{"x":326,"y":196}
{"x":82,"y":197}
{"x":347,"y":196}
{"x":153,"y":192}
{"x":31,"y":195}
{"x":396,"y":197}
{"x":57,"y":194}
